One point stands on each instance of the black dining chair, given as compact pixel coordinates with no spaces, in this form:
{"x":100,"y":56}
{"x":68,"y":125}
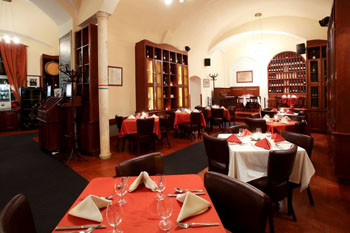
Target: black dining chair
{"x":279,"y":167}
{"x":253,"y":124}
{"x":217,"y":118}
{"x":235,"y":129}
{"x":119,"y":120}
{"x":232,"y":110}
{"x":16,"y":216}
{"x":144,"y":133}
{"x":306,"y":142}
{"x":240,"y":206}
{"x":192,"y":126}
{"x":218,"y":153}
{"x":165,"y":127}
{"x":152,"y":163}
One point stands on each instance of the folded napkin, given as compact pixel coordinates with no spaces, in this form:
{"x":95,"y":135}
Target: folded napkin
{"x":233,"y":138}
{"x":192,"y":205}
{"x":143,"y":178}
{"x":289,"y":112}
{"x":263,"y":143}
{"x":187,"y":110}
{"x":277,"y":138}
{"x":222,"y":107}
{"x":196,"y":110}
{"x":266,"y":117}
{"x":154,"y":116}
{"x":246,"y":132}
{"x":178,"y":110}
{"x":89,"y":208}
{"x":131,"y":117}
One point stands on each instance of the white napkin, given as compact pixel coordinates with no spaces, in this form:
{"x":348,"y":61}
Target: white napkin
{"x":187,"y":110}
{"x":192,"y":205}
{"x":178,"y":110}
{"x":196,"y":110}
{"x":222,"y":107}
{"x":154,"y":116}
{"x":89,"y":208}
{"x":266,"y":117}
{"x":131,"y":117}
{"x":284,"y":120}
{"x":143,"y":178}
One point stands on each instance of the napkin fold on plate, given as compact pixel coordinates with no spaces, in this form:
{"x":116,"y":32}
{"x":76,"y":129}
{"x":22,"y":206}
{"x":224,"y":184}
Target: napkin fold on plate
{"x":277,"y":138}
{"x":263,"y":143}
{"x":233,"y":138}
{"x":196,"y":110}
{"x":154,"y":116}
{"x":146,"y":180}
{"x":192,"y":205}
{"x":90,"y":207}
{"x":246,"y":132}
{"x":131,"y":117}
{"x":178,"y":110}
{"x":266,"y":117}
{"x":285,"y":120}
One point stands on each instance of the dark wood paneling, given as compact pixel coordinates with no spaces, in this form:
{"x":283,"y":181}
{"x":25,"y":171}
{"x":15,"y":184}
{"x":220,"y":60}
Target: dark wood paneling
{"x":9,"y":120}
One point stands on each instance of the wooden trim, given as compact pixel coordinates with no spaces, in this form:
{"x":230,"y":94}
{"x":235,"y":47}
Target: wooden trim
{"x":340,"y":133}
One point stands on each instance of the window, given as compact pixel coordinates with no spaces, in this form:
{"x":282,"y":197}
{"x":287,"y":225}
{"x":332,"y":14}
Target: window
{"x":4,"y":79}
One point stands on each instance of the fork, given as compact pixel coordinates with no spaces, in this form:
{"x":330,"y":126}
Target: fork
{"x":187,"y":225}
{"x":89,"y":230}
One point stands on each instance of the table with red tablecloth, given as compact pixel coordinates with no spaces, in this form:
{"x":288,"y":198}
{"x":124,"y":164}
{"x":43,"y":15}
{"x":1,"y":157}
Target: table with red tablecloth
{"x":275,"y":127}
{"x":140,"y":212}
{"x":183,"y":117}
{"x":129,"y":127}
{"x":227,"y":114}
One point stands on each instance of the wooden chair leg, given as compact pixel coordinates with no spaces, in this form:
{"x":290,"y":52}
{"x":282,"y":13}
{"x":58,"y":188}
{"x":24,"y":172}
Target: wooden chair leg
{"x":167,"y":139}
{"x":290,"y":204}
{"x":272,"y":228}
{"x":310,"y":196}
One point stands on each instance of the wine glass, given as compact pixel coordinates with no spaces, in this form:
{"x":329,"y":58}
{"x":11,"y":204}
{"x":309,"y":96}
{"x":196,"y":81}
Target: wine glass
{"x":240,"y":132}
{"x":165,"y":209}
{"x":114,"y":216}
{"x":161,"y":184}
{"x":258,"y":132}
{"x":121,"y":187}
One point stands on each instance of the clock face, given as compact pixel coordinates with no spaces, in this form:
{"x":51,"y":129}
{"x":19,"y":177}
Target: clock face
{"x":51,"y":68}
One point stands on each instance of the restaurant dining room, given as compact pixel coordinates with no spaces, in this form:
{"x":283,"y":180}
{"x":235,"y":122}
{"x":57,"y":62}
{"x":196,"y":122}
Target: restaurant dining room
{"x":174,"y":116}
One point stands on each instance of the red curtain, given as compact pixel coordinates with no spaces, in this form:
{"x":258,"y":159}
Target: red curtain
{"x":14,"y":57}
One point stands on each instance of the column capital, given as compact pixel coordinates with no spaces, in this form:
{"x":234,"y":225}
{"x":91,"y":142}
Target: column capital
{"x":102,"y":14}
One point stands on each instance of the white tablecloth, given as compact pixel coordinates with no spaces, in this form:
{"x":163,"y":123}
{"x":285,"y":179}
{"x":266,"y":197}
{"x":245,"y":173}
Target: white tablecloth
{"x":249,"y":162}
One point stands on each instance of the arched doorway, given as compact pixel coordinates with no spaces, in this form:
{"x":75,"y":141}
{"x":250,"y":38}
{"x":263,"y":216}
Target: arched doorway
{"x":195,"y":91}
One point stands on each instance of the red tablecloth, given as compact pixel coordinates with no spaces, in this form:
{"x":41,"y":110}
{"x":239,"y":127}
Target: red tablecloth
{"x":182,"y":117}
{"x":275,"y":127}
{"x":140,"y":213}
{"x":227,"y":114}
{"x":129,"y":127}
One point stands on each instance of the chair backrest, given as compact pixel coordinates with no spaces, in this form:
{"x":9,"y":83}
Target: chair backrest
{"x":145,"y":126}
{"x":16,"y":216}
{"x":300,"y":127}
{"x":151,"y":163}
{"x":268,"y":112}
{"x":302,"y":140}
{"x":217,"y":113}
{"x":217,"y":152}
{"x":254,"y":123}
{"x":279,"y":167}
{"x":196,"y":118}
{"x":119,"y":120}
{"x":241,"y":207}
{"x":235,"y":128}
{"x":199,"y":108}
{"x":172,"y":118}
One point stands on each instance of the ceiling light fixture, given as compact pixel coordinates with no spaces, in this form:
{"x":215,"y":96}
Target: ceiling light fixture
{"x":168,"y":2}
{"x":7,"y":22}
{"x":181,"y":1}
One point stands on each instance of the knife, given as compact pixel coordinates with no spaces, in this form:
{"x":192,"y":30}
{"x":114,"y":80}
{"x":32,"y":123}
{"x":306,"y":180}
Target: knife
{"x":175,"y":195}
{"x":79,"y":227}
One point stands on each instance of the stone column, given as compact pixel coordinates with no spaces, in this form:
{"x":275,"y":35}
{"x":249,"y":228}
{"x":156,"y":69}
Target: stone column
{"x":102,"y":18}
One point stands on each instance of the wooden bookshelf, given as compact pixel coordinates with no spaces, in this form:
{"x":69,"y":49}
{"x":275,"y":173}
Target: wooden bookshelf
{"x":162,"y":81}
{"x":287,"y":75}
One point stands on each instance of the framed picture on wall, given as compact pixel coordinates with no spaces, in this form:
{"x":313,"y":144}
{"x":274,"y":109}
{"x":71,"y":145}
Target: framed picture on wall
{"x":244,"y":76}
{"x":206,"y":82}
{"x":33,"y":80}
{"x":115,"y":76}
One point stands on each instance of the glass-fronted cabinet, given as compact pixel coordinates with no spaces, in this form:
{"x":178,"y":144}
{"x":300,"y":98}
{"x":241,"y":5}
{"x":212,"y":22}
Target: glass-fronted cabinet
{"x":5,"y":97}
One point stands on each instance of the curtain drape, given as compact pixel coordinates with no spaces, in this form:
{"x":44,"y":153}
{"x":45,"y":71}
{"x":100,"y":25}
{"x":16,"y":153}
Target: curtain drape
{"x":14,"y":57}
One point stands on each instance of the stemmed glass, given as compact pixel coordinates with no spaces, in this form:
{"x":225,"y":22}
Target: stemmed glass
{"x":114,"y":216}
{"x":121,"y":187}
{"x":258,"y":132}
{"x":165,"y":209}
{"x":161,"y":184}
{"x":240,"y":132}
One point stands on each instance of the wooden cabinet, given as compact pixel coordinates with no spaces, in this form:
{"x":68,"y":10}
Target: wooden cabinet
{"x":317,"y":84}
{"x":286,"y":75}
{"x":87,"y":87}
{"x":48,"y":73}
{"x":8,"y":119}
{"x":339,"y":86}
{"x":162,"y":81}
{"x":30,"y":101}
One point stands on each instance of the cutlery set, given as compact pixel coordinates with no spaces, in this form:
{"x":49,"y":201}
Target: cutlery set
{"x":180,"y":191}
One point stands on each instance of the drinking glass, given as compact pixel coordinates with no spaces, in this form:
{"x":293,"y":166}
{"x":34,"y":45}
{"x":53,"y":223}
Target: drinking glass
{"x":114,"y":216}
{"x":240,"y":132}
{"x":121,"y":188}
{"x":258,"y":131}
{"x":165,"y":209}
{"x":161,"y":184}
